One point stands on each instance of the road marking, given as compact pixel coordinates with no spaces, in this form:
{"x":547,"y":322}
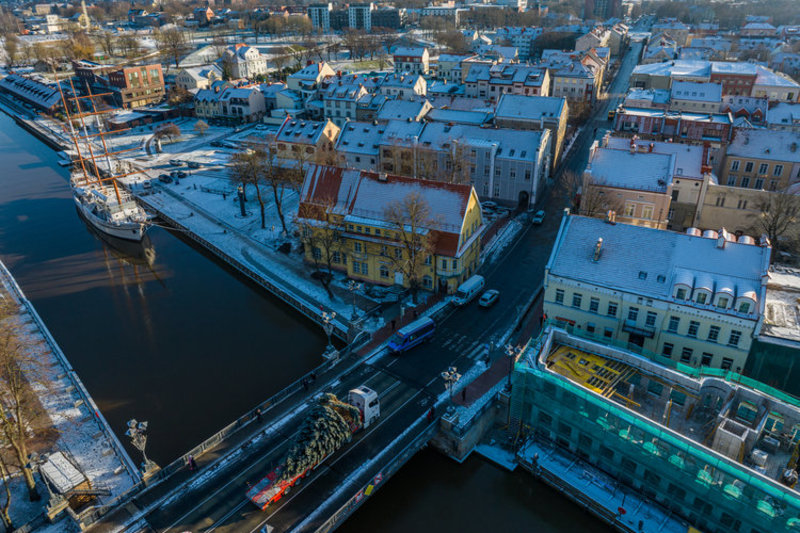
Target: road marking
{"x":348,"y":450}
{"x":479,"y":349}
{"x":383,"y":393}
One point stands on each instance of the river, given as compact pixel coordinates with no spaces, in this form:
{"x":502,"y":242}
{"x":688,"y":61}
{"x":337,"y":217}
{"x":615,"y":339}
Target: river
{"x":165,"y":333}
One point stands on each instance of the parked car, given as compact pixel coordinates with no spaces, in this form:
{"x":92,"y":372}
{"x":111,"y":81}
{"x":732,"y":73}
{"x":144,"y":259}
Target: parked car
{"x":178,"y":174}
{"x":538,"y":217}
{"x":176,"y":162}
{"x":164,"y":178}
{"x":489,"y":298}
{"x":194,"y":164}
{"x":217,"y":144}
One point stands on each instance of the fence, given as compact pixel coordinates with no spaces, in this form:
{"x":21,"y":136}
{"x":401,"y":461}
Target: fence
{"x":72,"y":375}
{"x":311,"y":310}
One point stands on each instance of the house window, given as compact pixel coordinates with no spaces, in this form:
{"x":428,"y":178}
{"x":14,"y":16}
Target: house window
{"x":316,"y":253}
{"x":748,"y":167}
{"x":742,"y":204}
{"x":365,"y":269}
{"x":745,"y":182}
{"x":594,"y":304}
{"x":428,"y":260}
{"x":576,"y":300}
{"x":384,"y":270}
{"x":733,"y":340}
{"x":777,"y":170}
{"x":666,"y":349}
{"x":608,"y":333}
{"x":727,"y":363}
{"x":706,"y":359}
{"x":651,"y":319}
{"x":590,"y":328}
{"x":759,"y":184}
{"x":398,"y":253}
{"x":744,"y":307}
{"x":686,"y":355}
{"x":732,"y":180}
{"x":680,"y":294}
{"x":694,"y":325}
{"x":713,"y":333}
{"x":722,"y":303}
{"x":559,"y":296}
{"x":630,"y":209}
{"x":612,"y":309}
{"x":701,"y":297}
{"x":762,"y":168}
{"x":674,"y":321}
{"x":427,"y":282}
{"x":647,"y":212}
{"x":735,"y":165}
{"x":633,"y":314}
{"x":357,"y":247}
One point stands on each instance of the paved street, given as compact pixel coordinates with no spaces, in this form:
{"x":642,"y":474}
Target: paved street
{"x":407,"y":384}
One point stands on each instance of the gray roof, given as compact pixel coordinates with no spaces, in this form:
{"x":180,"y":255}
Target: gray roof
{"x":647,"y":262}
{"x":701,"y":92}
{"x":622,"y":168}
{"x":766,"y":144}
{"x":515,"y":106}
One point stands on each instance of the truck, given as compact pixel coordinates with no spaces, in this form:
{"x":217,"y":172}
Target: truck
{"x":330,"y":425}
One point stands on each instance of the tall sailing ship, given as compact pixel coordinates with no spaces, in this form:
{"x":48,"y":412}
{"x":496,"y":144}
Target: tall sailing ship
{"x":104,"y":202}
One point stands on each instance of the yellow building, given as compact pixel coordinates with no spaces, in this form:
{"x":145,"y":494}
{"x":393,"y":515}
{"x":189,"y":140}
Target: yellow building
{"x":307,"y":140}
{"x":365,"y":224}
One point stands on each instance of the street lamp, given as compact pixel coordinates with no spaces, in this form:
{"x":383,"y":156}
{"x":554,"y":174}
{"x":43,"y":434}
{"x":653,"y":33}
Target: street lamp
{"x":137,"y":431}
{"x":327,"y":325}
{"x":512,"y":352}
{"x":354,"y":286}
{"x":450,"y":377}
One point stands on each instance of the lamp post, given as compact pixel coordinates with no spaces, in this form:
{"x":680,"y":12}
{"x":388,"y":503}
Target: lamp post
{"x":137,"y":432}
{"x":327,"y":325}
{"x":512,"y":352}
{"x":354,"y":286}
{"x":450,"y":377}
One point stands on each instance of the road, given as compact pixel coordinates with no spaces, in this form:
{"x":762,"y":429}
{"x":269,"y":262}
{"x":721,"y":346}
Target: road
{"x":407,"y":384}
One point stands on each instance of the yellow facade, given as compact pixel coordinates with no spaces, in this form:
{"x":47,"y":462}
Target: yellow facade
{"x":368,"y":250}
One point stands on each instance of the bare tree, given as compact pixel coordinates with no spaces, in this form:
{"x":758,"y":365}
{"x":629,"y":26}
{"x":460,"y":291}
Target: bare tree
{"x":593,"y":199}
{"x":108,"y":42}
{"x":201,"y":127}
{"x":11,"y":47}
{"x":321,"y":239}
{"x":171,"y":131}
{"x":19,"y":366}
{"x":778,"y":216}
{"x":410,"y":218}
{"x":172,"y":43}
{"x":130,"y":45}
{"x":5,"y":506}
{"x":248,"y":169}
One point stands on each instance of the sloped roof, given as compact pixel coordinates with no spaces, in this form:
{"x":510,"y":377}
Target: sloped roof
{"x":367,"y":195}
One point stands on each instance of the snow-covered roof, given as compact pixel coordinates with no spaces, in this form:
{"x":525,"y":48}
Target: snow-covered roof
{"x":631,"y":170}
{"x":360,"y":138}
{"x":38,"y":92}
{"x":782,"y":310}
{"x":409,"y":51}
{"x":774,"y":79}
{"x":785,"y":114}
{"x":766,"y":144}
{"x":455,"y":116}
{"x":714,"y":118}
{"x":514,"y":106}
{"x":368,"y":195}
{"x":647,"y":262}
{"x":736,"y":68}
{"x":654,"y":96}
{"x":698,"y":91}
{"x":403,"y":110}
{"x":688,"y":158}
{"x":301,"y":131}
{"x":61,"y":474}
{"x":454,"y":58}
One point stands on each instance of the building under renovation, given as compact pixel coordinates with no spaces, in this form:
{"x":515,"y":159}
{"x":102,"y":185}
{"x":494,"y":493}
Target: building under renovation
{"x":716,"y":448}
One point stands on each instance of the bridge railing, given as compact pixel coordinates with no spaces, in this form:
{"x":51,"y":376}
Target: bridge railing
{"x":390,"y":467}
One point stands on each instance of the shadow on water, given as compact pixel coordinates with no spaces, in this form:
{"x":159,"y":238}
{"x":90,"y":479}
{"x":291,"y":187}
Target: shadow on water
{"x":157,"y":331}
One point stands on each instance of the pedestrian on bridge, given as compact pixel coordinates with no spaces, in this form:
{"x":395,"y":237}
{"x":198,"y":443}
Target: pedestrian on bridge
{"x":258,"y":414}
{"x":192,"y":463}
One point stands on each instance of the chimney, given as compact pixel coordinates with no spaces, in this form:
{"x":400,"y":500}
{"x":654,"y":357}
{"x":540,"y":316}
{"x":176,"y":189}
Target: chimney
{"x":598,"y":249}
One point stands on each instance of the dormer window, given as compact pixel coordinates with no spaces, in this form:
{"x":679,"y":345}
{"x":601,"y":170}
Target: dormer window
{"x":744,"y":307}
{"x":680,"y":294}
{"x":722,"y":303}
{"x":701,"y":298}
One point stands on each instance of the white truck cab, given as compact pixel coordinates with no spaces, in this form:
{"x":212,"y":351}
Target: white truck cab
{"x":366,"y":400}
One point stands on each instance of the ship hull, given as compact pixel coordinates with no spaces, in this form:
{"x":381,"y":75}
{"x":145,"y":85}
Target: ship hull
{"x":130,"y":231}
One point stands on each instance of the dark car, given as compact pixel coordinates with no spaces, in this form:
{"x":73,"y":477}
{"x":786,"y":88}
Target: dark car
{"x":194,"y":164}
{"x":164,"y":178}
{"x":216,"y":144}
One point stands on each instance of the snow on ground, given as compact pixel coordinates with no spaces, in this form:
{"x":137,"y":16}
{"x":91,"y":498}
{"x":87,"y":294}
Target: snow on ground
{"x":502,"y":239}
{"x":602,"y":489}
{"x":79,"y":432}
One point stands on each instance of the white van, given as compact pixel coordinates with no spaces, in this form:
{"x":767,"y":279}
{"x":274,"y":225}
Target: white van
{"x":469,"y":290}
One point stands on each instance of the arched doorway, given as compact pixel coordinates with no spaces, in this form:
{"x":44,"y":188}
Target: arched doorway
{"x":524,"y":200}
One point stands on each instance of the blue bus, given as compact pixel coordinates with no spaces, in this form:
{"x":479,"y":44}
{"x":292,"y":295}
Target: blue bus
{"x":411,"y":335}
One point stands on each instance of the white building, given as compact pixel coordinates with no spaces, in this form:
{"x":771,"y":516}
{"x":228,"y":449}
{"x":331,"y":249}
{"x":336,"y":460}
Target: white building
{"x":320,"y":15}
{"x":359,"y":16}
{"x":198,"y":77}
{"x":244,"y":61}
{"x":414,"y":60}
{"x":688,"y":298}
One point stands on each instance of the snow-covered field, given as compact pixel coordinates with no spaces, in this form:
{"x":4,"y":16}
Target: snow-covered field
{"x":79,"y":432}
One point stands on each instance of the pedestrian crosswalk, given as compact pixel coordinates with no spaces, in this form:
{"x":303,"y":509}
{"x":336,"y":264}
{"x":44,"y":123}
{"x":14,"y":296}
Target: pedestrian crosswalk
{"x":461,"y":344}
